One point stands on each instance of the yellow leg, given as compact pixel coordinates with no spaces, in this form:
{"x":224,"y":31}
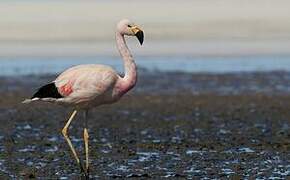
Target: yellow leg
{"x":64,"y":132}
{"x":86,"y":139}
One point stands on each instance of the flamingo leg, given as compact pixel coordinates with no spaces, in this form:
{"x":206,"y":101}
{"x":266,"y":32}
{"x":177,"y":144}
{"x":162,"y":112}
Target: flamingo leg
{"x":86,"y":140}
{"x":65,"y":134}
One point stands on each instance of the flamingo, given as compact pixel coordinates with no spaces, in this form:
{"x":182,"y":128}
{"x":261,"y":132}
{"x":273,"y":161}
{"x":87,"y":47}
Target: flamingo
{"x":86,"y":86}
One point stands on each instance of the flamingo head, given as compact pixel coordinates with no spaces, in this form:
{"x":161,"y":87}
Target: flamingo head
{"x":126,"y":27}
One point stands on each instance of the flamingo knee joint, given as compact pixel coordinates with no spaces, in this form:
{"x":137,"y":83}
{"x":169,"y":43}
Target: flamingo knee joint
{"x":64,"y":132}
{"x":86,"y":134}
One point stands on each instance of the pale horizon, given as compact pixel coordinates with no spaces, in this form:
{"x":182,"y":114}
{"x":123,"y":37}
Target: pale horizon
{"x":226,"y":27}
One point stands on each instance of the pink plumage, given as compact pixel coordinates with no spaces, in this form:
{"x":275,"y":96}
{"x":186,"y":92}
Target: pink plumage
{"x":86,"y":86}
{"x":91,"y":85}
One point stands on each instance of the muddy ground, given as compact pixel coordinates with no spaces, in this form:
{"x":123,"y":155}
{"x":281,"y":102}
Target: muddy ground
{"x":173,"y":125}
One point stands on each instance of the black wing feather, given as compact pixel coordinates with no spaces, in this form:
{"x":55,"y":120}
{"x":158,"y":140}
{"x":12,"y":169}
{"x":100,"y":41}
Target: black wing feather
{"x":47,"y":91}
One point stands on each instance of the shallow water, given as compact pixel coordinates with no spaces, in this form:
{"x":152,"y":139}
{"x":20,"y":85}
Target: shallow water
{"x":48,"y":65}
{"x":184,"y":162}
{"x":207,"y":126}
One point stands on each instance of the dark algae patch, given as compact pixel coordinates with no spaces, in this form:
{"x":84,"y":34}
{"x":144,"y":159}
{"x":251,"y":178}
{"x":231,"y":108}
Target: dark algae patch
{"x":186,"y":128}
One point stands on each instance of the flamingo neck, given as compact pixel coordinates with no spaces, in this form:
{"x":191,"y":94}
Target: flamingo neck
{"x":129,"y":80}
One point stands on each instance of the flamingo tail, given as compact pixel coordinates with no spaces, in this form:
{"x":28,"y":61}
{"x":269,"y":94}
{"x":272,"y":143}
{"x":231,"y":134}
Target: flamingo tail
{"x":46,"y":92}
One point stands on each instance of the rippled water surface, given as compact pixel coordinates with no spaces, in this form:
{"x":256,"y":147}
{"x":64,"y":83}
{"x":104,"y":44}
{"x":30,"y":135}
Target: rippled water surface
{"x":151,"y":161}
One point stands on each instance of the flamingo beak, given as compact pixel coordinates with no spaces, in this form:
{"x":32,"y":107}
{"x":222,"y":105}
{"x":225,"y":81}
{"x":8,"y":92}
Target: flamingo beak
{"x":138,"y":33}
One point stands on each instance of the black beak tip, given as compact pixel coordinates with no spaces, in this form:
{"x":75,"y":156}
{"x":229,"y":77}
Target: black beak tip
{"x":140,"y":36}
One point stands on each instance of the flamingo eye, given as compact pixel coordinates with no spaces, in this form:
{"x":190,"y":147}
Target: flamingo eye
{"x":129,"y":25}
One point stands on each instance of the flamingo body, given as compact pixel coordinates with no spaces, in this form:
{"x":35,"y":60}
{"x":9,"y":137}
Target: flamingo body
{"x":87,"y":86}
{"x":90,"y":85}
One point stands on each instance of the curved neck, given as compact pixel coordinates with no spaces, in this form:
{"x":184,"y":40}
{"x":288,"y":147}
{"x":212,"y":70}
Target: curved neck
{"x":130,"y":78}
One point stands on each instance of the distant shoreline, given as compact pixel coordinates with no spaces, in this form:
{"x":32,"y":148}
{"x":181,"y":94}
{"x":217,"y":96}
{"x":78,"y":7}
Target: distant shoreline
{"x":150,"y":48}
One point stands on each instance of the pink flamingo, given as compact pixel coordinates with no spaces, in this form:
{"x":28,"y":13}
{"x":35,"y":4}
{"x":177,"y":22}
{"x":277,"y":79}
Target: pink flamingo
{"x":87,"y":86}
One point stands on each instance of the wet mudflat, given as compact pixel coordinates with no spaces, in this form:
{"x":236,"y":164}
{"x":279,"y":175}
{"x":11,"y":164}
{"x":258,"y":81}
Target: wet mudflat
{"x":173,"y":125}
